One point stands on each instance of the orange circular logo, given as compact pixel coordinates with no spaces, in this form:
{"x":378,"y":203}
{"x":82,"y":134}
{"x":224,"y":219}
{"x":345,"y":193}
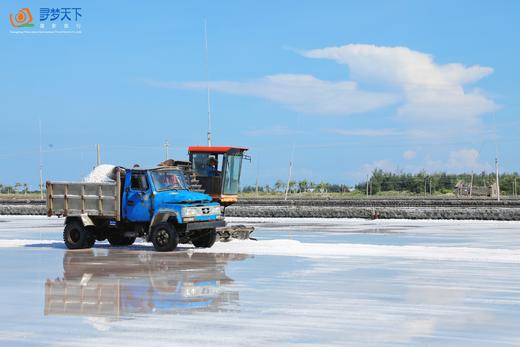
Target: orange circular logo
{"x":22,"y":18}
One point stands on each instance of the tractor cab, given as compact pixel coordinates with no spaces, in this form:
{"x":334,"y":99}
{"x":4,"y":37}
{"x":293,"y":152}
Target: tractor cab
{"x":218,"y":171}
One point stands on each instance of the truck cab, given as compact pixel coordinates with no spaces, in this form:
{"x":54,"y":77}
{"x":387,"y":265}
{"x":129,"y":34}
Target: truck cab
{"x":154,"y":204}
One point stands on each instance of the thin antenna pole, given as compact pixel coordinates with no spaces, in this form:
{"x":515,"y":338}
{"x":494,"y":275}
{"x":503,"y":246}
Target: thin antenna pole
{"x":166,"y":150}
{"x":207,"y":79}
{"x":41,"y":161}
{"x":98,"y":160}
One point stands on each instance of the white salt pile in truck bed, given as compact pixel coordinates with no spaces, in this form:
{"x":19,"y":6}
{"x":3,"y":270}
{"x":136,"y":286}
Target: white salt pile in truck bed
{"x":104,"y":173}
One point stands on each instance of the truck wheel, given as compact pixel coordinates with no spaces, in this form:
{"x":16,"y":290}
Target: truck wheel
{"x":101,"y":233}
{"x":116,"y":239}
{"x":76,"y":236}
{"x":92,"y":231}
{"x":164,"y":237}
{"x":205,"y":238}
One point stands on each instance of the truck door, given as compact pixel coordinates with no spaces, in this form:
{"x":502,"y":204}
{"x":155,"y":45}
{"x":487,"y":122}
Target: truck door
{"x":136,"y":199}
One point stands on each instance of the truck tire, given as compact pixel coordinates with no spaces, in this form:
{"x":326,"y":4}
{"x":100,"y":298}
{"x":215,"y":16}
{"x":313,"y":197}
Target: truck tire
{"x":205,"y":238}
{"x":76,"y":236}
{"x":116,"y":239}
{"x":164,"y":237}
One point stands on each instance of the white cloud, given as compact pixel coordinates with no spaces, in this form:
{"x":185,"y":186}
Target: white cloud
{"x":432,"y":92}
{"x":434,"y":101}
{"x":459,"y":161}
{"x":408,"y":155}
{"x":398,"y":65}
{"x":464,"y":159}
{"x":302,"y":93}
{"x":366,"y":132}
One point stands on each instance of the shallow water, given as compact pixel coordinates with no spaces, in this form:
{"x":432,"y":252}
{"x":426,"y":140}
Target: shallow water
{"x":314,"y":282}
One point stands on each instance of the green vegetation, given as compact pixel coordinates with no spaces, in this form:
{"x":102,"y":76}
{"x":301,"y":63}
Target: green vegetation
{"x":303,"y":186}
{"x":18,"y":190}
{"x":437,"y":183}
{"x":399,"y":184}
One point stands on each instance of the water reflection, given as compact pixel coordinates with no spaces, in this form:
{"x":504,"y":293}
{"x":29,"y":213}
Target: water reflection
{"x":118,"y":283}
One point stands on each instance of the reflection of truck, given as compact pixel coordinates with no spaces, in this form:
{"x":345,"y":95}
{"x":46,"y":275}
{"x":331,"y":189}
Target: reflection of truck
{"x":119,"y":283}
{"x":155,"y":204}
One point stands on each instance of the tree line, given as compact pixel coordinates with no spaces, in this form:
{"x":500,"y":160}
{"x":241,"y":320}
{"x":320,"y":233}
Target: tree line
{"x":17,"y":188}
{"x":298,"y":187}
{"x":381,"y":181}
{"x":441,"y":182}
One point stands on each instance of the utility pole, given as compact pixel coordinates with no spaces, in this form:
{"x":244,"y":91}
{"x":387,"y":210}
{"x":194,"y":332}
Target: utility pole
{"x":425,"y":186}
{"x":288,"y":180}
{"x":497,"y":178}
{"x":98,"y":161}
{"x":471,"y":186}
{"x":257,"y":175}
{"x":367,"y":186}
{"x":207,"y":79}
{"x":496,"y":157}
{"x":41,"y":161}
{"x":166,"y":150}
{"x":430,"y":184}
{"x":514,"y":187}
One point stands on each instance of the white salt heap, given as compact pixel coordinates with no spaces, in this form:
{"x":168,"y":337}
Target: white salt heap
{"x":104,"y":173}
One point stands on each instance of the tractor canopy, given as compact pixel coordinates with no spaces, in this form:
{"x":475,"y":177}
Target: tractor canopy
{"x":218,"y":170}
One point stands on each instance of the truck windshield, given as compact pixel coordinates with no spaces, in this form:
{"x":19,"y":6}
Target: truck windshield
{"x":232,"y":174}
{"x":168,"y":180}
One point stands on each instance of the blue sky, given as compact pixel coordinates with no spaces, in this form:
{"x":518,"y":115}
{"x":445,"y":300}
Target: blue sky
{"x":339,"y":87}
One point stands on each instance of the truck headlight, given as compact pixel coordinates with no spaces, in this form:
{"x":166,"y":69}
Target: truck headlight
{"x":189,"y":212}
{"x":215,"y":210}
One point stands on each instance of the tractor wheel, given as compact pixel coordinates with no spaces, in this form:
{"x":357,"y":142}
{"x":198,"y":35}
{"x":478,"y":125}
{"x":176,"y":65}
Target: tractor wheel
{"x":76,"y":236}
{"x":205,"y":238}
{"x":116,"y":239}
{"x":164,"y":237}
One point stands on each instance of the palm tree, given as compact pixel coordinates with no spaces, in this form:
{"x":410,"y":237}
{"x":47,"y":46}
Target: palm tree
{"x":303,"y":185}
{"x":279,"y":185}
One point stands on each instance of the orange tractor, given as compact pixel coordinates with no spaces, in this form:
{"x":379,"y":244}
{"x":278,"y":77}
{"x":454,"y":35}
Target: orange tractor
{"x":216,"y":171}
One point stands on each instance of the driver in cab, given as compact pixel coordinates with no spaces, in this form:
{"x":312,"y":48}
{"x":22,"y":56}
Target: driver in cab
{"x":212,"y":167}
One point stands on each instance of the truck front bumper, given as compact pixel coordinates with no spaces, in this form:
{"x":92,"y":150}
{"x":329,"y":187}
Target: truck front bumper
{"x":205,"y":225}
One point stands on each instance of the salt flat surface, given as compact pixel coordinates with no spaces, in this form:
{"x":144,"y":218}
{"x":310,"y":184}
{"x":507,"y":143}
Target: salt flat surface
{"x":305,"y":281}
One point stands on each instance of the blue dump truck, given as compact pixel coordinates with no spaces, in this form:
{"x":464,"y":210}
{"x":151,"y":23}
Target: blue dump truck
{"x":155,"y":204}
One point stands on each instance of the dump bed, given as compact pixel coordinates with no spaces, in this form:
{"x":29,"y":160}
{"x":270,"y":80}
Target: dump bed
{"x":76,"y":198}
